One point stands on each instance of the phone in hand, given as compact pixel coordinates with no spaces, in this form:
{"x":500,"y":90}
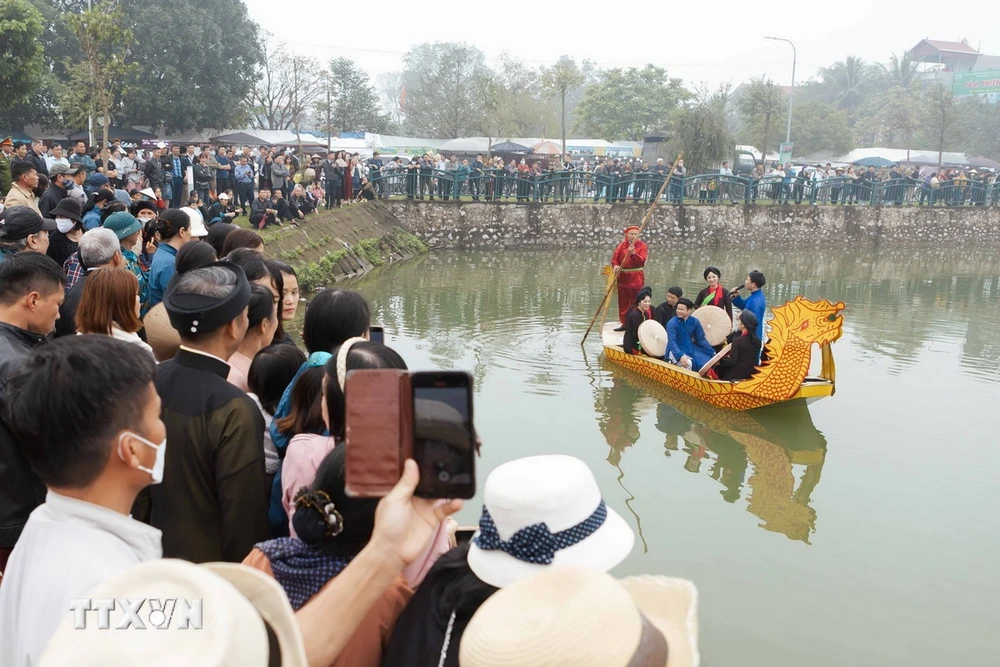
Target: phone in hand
{"x":392,"y":415}
{"x":376,"y":334}
{"x":444,"y":441}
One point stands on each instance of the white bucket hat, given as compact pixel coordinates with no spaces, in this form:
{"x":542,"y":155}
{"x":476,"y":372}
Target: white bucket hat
{"x":571,"y":616}
{"x":545,"y":511}
{"x":237,"y":601}
{"x":198,"y":228}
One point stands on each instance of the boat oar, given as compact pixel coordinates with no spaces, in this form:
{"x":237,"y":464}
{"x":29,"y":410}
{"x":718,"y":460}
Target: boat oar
{"x":645,"y":220}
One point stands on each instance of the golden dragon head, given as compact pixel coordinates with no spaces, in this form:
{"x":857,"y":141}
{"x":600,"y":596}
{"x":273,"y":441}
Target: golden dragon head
{"x":817,"y":322}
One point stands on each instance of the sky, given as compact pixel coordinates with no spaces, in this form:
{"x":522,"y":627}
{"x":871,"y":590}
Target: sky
{"x":700,"y":42}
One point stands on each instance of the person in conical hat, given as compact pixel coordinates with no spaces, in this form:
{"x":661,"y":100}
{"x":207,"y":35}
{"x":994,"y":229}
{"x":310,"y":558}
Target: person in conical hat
{"x":636,"y":316}
{"x":627,"y":262}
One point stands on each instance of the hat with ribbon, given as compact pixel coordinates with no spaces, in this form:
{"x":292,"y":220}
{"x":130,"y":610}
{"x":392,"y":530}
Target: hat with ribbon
{"x":545,"y":511}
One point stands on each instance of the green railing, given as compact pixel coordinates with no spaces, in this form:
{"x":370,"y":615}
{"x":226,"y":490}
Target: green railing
{"x":642,"y":187}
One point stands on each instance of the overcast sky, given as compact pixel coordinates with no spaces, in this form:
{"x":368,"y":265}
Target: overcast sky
{"x":711,"y":42}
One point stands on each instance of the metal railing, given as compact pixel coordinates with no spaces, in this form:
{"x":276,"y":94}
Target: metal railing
{"x":642,"y":187}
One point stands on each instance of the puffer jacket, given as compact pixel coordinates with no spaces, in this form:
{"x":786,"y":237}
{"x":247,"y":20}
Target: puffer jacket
{"x":20,"y":490}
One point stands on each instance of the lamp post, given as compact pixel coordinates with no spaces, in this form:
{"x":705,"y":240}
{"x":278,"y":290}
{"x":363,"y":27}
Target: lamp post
{"x":791,"y":93}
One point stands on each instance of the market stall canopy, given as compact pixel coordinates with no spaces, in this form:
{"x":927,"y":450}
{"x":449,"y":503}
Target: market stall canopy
{"x":975,"y":162}
{"x":268,"y":138}
{"x":546,"y":148}
{"x":876,"y":162}
{"x":15,"y":136}
{"x":466,"y":145}
{"x":510,"y":147}
{"x":122,"y":133}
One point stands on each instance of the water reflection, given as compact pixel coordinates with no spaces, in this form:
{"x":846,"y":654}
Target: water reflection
{"x":780,"y":447}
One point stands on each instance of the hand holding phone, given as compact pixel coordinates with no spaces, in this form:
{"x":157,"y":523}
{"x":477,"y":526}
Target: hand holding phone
{"x":391,"y":415}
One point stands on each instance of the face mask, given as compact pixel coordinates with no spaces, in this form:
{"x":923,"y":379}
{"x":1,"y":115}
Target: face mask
{"x":156,"y":472}
{"x":64,"y":225}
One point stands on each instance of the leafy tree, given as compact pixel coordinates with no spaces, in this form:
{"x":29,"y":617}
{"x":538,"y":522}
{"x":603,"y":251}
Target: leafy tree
{"x":900,"y":71}
{"x":845,"y":84}
{"x":760,"y":107}
{"x":980,"y":129}
{"x":529,"y":109}
{"x":559,"y":80}
{"x":348,"y":100}
{"x":197,"y":64}
{"x":106,"y":42}
{"x":629,"y":103}
{"x":818,"y":127}
{"x":21,"y":58}
{"x":440,"y":81}
{"x":890,"y":119}
{"x":701,"y":130}
{"x":941,"y":118}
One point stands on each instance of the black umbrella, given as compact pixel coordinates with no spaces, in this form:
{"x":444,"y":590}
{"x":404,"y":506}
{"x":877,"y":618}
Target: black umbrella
{"x":238,"y":138}
{"x":122,"y":133}
{"x":509,"y":147}
{"x":975,"y":162}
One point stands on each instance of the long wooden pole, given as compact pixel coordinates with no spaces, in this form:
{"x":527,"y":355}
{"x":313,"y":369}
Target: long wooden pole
{"x":645,"y":220}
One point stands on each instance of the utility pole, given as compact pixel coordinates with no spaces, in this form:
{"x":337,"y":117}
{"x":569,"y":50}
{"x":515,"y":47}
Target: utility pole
{"x":90,"y":115}
{"x":791,"y":93}
{"x":298,"y":136}
{"x":329,"y":138}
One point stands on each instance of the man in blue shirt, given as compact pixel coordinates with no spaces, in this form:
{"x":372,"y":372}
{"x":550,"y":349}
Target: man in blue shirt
{"x":686,"y":343}
{"x":178,"y":168}
{"x":243,"y":173}
{"x":755,"y":303}
{"x":81,"y":158}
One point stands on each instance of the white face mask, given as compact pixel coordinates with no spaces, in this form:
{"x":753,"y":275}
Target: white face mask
{"x":156,"y":472}
{"x":64,"y":225}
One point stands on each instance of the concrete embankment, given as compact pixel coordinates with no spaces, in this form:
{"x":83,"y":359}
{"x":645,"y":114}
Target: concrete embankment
{"x":509,"y":225}
{"x":343,"y":243}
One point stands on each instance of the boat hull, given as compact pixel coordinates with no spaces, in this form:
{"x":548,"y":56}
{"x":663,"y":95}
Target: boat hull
{"x":719,"y":393}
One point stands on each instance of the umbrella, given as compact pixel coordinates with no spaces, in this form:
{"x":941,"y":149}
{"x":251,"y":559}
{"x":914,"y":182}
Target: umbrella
{"x":716,"y":323}
{"x":122,"y":133}
{"x":874,"y":162}
{"x":546,"y":148}
{"x":975,"y":162}
{"x":509,"y":147}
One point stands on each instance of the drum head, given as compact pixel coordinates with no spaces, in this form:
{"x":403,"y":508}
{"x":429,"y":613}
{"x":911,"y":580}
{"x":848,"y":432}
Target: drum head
{"x":653,"y":338}
{"x":716,"y":323}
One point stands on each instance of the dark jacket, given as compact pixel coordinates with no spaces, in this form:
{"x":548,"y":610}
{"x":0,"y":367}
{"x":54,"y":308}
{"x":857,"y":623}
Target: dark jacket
{"x":20,"y":491}
{"x":51,"y":198}
{"x":212,"y":504}
{"x":741,"y":362}
{"x":202,"y":176}
{"x":38,"y":161}
{"x":60,"y":247}
{"x":664,"y":313}
{"x":66,"y":324}
{"x":153,"y":172}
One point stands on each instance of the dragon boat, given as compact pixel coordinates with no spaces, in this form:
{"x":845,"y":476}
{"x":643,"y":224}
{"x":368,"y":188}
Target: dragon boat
{"x":783,"y":379}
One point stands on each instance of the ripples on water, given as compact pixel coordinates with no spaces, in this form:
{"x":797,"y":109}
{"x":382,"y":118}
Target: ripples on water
{"x":868,"y":510}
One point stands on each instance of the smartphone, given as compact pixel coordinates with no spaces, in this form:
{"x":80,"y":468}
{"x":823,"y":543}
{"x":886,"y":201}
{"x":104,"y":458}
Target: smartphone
{"x":444,"y":441}
{"x":376,"y":335}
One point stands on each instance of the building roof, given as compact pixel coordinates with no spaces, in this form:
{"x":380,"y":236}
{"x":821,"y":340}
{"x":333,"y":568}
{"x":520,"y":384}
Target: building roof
{"x":933,"y":47}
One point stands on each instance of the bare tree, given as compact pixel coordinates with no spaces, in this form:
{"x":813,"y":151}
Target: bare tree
{"x":287,"y":86}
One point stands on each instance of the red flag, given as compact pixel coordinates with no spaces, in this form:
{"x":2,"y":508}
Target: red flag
{"x":402,"y":97}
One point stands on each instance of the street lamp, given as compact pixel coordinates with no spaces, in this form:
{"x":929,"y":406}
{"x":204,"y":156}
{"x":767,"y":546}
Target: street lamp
{"x":791,"y":93}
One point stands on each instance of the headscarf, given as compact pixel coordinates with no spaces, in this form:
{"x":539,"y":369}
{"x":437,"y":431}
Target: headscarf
{"x":301,"y":569}
{"x":642,"y":294}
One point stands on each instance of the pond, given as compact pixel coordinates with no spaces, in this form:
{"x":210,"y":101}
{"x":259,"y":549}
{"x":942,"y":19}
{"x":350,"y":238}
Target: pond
{"x":860,"y":530}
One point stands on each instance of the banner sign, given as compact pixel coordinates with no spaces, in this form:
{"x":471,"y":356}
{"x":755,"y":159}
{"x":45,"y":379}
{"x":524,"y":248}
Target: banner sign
{"x":785,"y":152}
{"x":976,"y":83}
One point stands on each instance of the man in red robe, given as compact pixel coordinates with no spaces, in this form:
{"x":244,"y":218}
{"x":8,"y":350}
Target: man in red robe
{"x":627,"y":261}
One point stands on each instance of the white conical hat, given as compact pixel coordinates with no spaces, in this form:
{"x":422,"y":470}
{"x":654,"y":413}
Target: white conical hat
{"x":653,"y":338}
{"x":716,"y":323}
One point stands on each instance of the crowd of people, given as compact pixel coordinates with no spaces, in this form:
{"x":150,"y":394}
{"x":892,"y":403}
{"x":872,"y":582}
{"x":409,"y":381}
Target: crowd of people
{"x":686,"y":343}
{"x":162,"y":436}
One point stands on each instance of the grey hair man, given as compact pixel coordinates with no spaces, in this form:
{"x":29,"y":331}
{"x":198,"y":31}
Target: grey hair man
{"x":212,"y":505}
{"x":98,"y":247}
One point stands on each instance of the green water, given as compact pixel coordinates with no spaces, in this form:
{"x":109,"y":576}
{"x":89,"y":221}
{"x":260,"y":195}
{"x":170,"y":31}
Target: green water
{"x":863,"y":530}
